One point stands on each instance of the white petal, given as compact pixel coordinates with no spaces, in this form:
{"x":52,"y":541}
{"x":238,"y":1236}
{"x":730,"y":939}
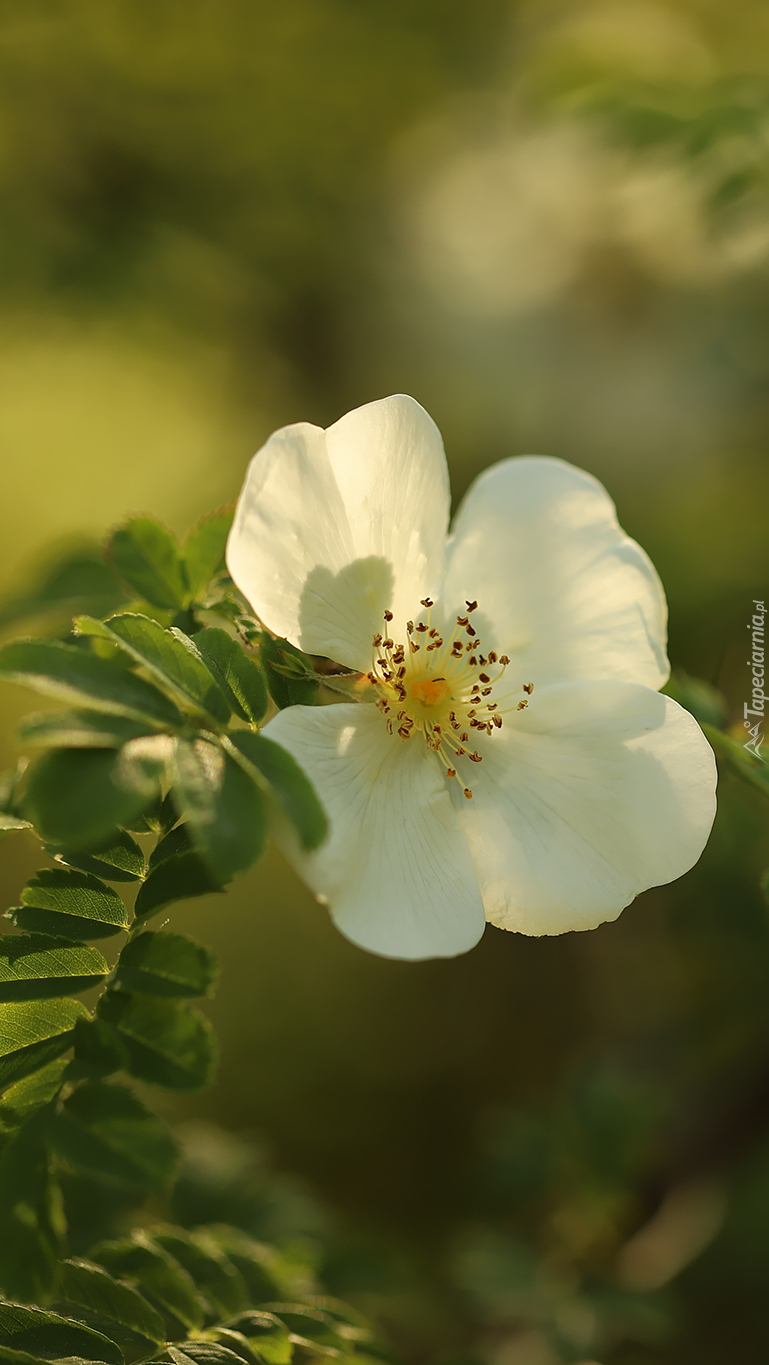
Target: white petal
{"x":595,"y":793}
{"x":332,"y":528}
{"x":566,"y":592}
{"x":396,"y":870}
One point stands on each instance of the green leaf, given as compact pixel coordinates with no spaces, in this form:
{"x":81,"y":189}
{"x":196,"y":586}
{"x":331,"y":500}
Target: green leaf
{"x":298,"y":690}
{"x":9,"y":823}
{"x":268,"y":1335}
{"x":70,"y":904}
{"x":77,"y":797}
{"x":26,"y":1096}
{"x":289,"y":784}
{"x":50,"y":1337}
{"x":88,"y":1292}
{"x":170,"y":656}
{"x":236,"y":1342}
{"x":203,"y":550}
{"x":753,"y":770}
{"x":67,"y":729}
{"x":308,"y":1326}
{"x":166,"y":964}
{"x":240,"y":677}
{"x":175,"y":879}
{"x":73,"y":674}
{"x":251,"y":1258}
{"x":225,"y":808}
{"x":33,"y":1034}
{"x":38,"y":967}
{"x":147,"y":557}
{"x":219,"y":1284}
{"x":97,"y":1051}
{"x":159,"y":1277}
{"x":32,"y":1225}
{"x":105,"y":1132}
{"x":203,"y":1353}
{"x":167,"y":1043}
{"x":120,"y":860}
{"x":178,"y":840}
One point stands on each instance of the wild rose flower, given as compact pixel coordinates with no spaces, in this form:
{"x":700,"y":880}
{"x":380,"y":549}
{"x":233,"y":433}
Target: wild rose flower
{"x":511,"y":758}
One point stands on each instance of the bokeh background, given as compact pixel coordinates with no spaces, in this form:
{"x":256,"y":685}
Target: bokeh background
{"x":549,"y":222}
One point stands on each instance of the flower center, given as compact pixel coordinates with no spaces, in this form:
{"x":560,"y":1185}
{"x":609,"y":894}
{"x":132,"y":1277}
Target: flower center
{"x":442,"y":689}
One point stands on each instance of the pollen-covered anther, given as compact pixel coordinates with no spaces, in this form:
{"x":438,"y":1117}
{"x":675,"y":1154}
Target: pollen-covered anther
{"x":528,"y":687}
{"x":471,"y":606}
{"x":388,"y":616}
{"x":521,"y":705}
{"x":467,"y":792}
{"x":427,"y":602}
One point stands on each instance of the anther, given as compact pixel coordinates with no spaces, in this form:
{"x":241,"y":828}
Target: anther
{"x":503,"y":659}
{"x":388,"y":616}
{"x":464,"y":736}
{"x":451,"y":772}
{"x":467,"y":792}
{"x":471,"y":606}
{"x":463,"y":621}
{"x":475,"y":758}
{"x":497,"y":721}
{"x":421,"y":627}
{"x":470,"y":630}
{"x":377,"y":640}
{"x":486,"y":692}
{"x":409,"y":626}
{"x":492,"y":656}
{"x":521,"y":705}
{"x":528,"y":687}
{"x":484,"y":677}
{"x":426,"y":601}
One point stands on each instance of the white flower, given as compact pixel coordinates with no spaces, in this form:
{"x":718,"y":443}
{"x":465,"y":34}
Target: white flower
{"x":516,"y":762}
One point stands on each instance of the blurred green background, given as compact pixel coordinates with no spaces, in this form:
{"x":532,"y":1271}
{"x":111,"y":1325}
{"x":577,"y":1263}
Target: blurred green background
{"x":549,"y":222}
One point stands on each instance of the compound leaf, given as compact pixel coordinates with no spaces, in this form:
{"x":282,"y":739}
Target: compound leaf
{"x":203,"y":550}
{"x":177,"y":878}
{"x":77,"y":797}
{"x":50,"y":1337}
{"x":240,"y":677}
{"x":288,"y":783}
{"x":219,"y":1283}
{"x":33,"y":1033}
{"x":32,"y":1223}
{"x":66,"y":729}
{"x":88,"y":1292}
{"x":169,"y":655}
{"x":120,"y":860}
{"x":225,"y":808}
{"x":159,"y":1277}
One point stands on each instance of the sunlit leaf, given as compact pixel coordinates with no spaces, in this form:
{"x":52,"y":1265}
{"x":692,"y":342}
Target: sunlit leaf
{"x":147,"y":557}
{"x":22,"y":1099}
{"x":38,"y":967}
{"x":120,"y":860}
{"x":50,"y":1337}
{"x":33,"y":1033}
{"x":203,"y":550}
{"x":79,"y":729}
{"x":217,"y":1280}
{"x":72,"y":674}
{"x":177,"y":878}
{"x":169,"y":655}
{"x":240,"y":677}
{"x":32,"y":1222}
{"x":77,"y":797}
{"x":70,"y":904}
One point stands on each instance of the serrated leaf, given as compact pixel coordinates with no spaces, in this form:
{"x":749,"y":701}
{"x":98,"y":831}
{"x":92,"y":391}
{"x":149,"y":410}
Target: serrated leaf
{"x":78,"y":797}
{"x":167,"y":1043}
{"x":169,"y":655}
{"x":252,"y":1259}
{"x":289,"y":784}
{"x":39,"y":967}
{"x":32,"y":1225}
{"x":105,"y":1132}
{"x":147,"y":557}
{"x":21,"y":1100}
{"x":79,"y":729}
{"x":218,"y":1282}
{"x":120,"y":860}
{"x":239,"y":676}
{"x":308,"y":1326}
{"x":225,"y":808}
{"x":10,"y":823}
{"x":158,"y":1276}
{"x":203,"y":550}
{"x":236,"y":1342}
{"x":268,"y":1335}
{"x":166,"y":964}
{"x":88,"y":1292}
{"x":70,"y":904}
{"x":48,"y":1336}
{"x":177,"y":878}
{"x":33,"y":1034}
{"x":75,"y":675}
{"x":286,"y":691}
